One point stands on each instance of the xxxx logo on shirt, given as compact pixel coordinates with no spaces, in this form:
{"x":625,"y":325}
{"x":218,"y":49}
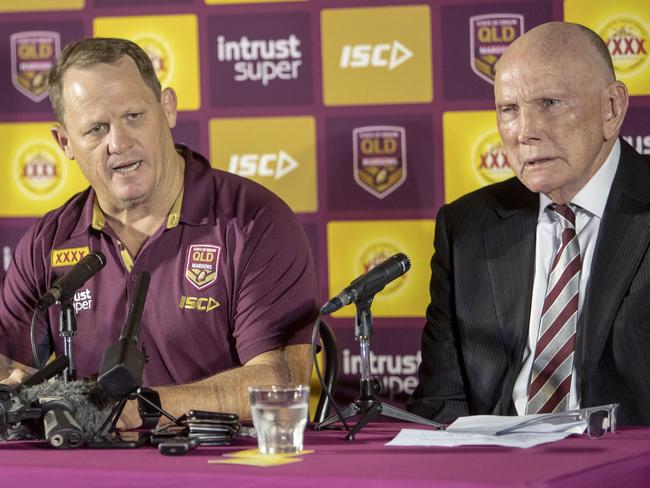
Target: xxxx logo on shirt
{"x":201,"y":265}
{"x":68,"y":256}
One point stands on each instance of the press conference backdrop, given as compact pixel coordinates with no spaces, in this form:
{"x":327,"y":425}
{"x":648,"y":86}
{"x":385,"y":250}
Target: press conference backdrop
{"x":364,"y":116}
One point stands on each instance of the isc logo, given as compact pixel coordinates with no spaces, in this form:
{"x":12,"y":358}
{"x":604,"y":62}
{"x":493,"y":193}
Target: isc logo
{"x":269,"y":165}
{"x":378,"y":55}
{"x":195,"y":303}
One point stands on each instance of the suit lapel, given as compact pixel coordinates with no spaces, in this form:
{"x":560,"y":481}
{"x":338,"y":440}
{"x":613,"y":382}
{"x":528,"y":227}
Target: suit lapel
{"x":510,"y":253}
{"x":622,"y":242}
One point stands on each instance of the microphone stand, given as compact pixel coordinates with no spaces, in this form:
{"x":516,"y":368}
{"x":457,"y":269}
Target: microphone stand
{"x":367,"y":404}
{"x":67,"y":330}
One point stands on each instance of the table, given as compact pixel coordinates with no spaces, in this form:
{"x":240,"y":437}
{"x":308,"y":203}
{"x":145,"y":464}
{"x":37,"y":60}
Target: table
{"x":621,"y":460}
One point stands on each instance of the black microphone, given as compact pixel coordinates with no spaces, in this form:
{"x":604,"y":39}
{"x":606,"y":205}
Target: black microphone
{"x":370,"y":283}
{"x":71,"y":281}
{"x":123,"y":362}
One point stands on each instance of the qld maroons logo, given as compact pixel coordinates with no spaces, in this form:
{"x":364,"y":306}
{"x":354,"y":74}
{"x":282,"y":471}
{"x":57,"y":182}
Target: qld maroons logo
{"x":490,"y":36}
{"x":32,"y":56}
{"x":379,"y":158}
{"x":201,"y":265}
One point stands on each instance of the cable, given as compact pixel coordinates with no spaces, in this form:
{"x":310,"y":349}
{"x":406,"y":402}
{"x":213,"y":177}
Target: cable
{"x":32,"y":339}
{"x":314,"y":350}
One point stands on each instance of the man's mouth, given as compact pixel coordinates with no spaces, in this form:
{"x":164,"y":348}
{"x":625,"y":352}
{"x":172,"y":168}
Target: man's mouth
{"x":534,"y":162}
{"x":127,"y":168}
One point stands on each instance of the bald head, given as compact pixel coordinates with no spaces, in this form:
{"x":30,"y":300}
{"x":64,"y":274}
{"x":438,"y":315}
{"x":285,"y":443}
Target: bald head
{"x":570,"y":44}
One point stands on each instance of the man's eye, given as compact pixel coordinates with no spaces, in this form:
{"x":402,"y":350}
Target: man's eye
{"x":134,"y":115}
{"x":96,"y":129}
{"x":549,"y":102}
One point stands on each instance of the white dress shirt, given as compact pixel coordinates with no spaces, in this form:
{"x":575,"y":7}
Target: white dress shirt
{"x":589,"y":204}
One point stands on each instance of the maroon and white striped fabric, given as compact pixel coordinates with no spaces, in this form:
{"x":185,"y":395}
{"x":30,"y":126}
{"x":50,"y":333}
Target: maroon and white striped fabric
{"x":550,"y":382}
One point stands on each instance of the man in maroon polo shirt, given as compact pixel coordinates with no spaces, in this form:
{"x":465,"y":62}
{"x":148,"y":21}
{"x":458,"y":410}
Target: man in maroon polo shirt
{"x":232,"y":290}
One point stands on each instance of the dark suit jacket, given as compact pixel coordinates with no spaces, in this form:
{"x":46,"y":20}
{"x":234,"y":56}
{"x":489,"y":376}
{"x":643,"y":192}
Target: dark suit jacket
{"x":481,"y":287}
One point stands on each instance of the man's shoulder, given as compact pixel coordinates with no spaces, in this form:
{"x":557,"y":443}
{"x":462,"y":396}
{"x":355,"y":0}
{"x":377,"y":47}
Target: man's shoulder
{"x":63,"y":220}
{"x":244,"y":199}
{"x":510,"y":194}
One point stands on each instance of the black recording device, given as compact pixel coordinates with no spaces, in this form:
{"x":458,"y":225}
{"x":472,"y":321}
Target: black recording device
{"x":70,"y":282}
{"x":121,"y":370}
{"x":61,"y":429}
{"x":36,"y":409}
{"x":370,"y":283}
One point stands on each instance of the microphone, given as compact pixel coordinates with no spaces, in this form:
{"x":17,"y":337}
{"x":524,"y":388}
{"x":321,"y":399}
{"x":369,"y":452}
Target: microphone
{"x":370,"y":283}
{"x":123,"y":362}
{"x":71,"y":281}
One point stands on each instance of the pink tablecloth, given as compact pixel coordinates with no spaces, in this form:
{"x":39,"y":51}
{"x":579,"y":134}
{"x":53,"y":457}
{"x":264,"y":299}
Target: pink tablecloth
{"x":621,"y":460}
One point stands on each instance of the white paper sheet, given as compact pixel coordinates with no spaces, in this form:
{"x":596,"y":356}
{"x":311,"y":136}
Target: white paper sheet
{"x":480,"y":430}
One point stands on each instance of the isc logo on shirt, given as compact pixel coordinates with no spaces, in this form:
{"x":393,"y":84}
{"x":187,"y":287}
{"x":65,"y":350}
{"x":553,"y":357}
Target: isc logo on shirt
{"x":202,"y":304}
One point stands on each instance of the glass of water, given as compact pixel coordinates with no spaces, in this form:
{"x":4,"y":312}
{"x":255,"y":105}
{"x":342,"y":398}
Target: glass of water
{"x":279,"y":416}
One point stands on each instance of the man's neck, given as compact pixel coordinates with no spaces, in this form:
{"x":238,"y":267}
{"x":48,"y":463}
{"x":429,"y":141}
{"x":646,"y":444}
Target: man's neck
{"x":135,"y":224}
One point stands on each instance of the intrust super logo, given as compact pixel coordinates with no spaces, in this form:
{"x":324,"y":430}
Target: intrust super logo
{"x":32,"y":56}
{"x":202,"y":265}
{"x":39,"y":170}
{"x":379,"y":158}
{"x":281,"y":156}
{"x":376,"y":55}
{"x":260,"y":59}
{"x":388,"y":56}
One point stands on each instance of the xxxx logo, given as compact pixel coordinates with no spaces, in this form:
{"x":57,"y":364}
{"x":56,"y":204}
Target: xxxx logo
{"x":67,"y":257}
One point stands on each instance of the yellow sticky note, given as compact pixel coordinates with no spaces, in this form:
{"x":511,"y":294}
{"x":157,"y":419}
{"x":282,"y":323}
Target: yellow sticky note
{"x":261,"y":460}
{"x":248,"y":453}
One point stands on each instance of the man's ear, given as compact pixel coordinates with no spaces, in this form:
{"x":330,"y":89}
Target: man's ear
{"x":615,"y":108}
{"x":61,"y":137}
{"x":169,"y":106}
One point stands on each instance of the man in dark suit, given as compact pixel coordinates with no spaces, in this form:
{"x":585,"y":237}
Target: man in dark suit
{"x":540,"y":286}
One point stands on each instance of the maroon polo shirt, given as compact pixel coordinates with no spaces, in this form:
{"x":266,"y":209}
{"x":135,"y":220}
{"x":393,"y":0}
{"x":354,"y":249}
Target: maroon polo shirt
{"x":231,"y":278}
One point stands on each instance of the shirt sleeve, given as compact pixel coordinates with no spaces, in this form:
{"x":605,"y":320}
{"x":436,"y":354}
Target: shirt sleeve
{"x":19,"y":293}
{"x":276,"y":300}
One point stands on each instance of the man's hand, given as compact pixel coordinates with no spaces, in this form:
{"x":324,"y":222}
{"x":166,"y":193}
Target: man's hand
{"x":15,"y":378}
{"x":12,"y":372}
{"x":130,"y":417}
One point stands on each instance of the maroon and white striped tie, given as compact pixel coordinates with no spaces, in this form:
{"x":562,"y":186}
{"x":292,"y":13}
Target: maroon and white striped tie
{"x":550,"y":382}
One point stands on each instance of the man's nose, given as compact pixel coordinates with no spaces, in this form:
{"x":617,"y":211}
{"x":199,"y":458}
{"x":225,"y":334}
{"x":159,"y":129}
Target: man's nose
{"x":529,"y":126}
{"x":119,"y":139}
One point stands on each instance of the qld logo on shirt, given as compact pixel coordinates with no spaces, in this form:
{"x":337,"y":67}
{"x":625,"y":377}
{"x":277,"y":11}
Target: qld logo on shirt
{"x":201,"y":265}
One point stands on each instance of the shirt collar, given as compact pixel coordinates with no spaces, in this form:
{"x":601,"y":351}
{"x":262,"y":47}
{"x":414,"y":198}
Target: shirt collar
{"x":593,"y":196}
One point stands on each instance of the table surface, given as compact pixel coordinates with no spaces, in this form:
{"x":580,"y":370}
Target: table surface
{"x":621,"y":459}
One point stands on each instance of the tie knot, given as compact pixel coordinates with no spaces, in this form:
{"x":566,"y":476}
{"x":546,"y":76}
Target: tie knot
{"x":567,"y":215}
